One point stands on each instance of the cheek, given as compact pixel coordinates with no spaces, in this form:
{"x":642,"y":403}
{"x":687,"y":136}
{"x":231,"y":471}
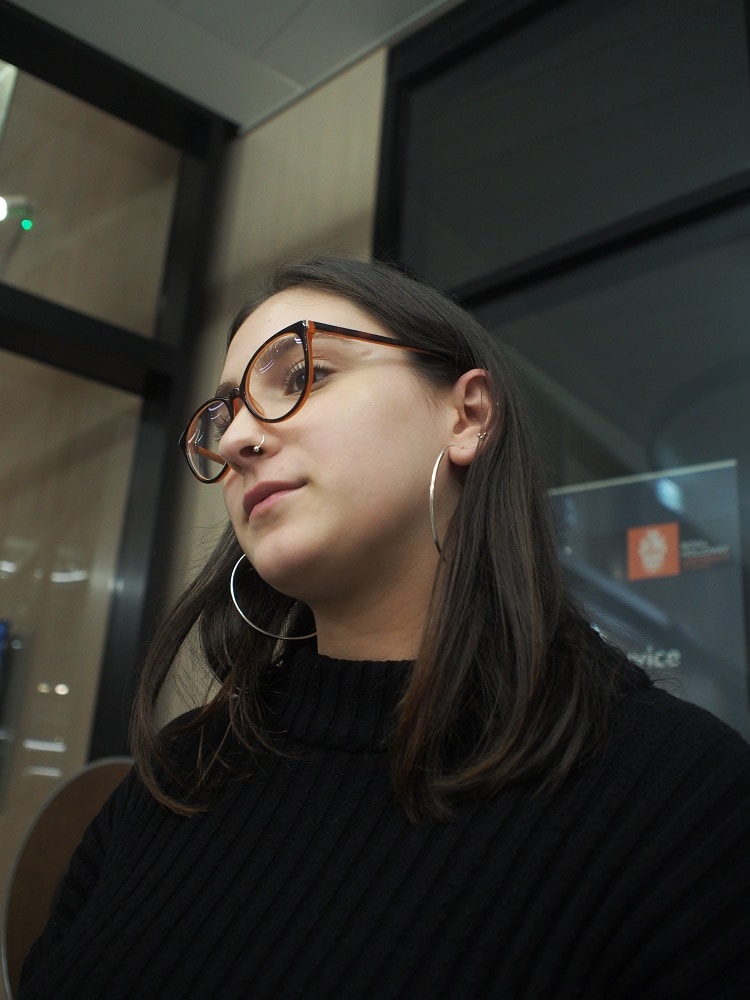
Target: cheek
{"x":394,"y":446}
{"x":385,"y":472}
{"x":232,"y":489}
{"x":393,"y":416}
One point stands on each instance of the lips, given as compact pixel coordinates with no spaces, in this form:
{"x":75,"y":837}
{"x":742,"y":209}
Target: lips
{"x":261,"y":497}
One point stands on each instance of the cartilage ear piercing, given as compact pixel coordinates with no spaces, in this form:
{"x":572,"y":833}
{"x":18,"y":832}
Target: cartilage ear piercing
{"x":257,"y":447}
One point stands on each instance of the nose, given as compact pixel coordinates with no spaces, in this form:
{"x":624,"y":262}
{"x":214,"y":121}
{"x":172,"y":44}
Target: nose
{"x":243,"y":438}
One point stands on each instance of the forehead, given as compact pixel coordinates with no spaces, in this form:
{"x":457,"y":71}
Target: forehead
{"x":289,"y":307}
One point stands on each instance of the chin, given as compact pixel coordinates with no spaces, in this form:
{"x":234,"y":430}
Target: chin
{"x":286,"y":573}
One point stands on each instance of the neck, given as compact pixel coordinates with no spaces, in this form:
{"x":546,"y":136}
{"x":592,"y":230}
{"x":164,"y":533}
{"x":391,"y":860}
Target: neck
{"x":367,"y":640}
{"x":386,"y":625}
{"x":379,"y":614}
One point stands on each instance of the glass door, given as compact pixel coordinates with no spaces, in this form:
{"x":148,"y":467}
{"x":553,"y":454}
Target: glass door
{"x":68,"y":445}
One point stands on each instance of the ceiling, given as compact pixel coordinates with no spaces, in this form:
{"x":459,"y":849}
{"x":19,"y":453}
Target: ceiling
{"x":243,"y":59}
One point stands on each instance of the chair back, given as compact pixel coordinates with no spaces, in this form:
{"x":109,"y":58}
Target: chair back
{"x":45,"y":854}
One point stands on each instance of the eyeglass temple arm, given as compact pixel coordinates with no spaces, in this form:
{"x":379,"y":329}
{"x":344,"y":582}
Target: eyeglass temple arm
{"x":207,"y":453}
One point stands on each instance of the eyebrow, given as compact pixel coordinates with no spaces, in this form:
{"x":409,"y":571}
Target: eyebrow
{"x":271,"y":353}
{"x":223,"y":390}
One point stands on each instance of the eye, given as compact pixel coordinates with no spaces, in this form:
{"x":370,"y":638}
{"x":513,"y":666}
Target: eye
{"x":220,"y":424}
{"x":296,"y":378}
{"x":219,"y":417}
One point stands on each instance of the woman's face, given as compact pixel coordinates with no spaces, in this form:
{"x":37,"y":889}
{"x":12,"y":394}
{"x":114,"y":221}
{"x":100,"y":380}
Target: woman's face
{"x":335,"y":505}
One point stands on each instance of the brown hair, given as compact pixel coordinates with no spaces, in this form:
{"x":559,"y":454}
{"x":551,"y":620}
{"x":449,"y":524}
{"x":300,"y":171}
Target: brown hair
{"x":510,"y":681}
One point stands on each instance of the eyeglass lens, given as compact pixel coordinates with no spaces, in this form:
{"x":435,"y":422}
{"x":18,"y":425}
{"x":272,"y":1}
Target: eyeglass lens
{"x":277,"y":377}
{"x":203,"y":436}
{"x":273,"y":385}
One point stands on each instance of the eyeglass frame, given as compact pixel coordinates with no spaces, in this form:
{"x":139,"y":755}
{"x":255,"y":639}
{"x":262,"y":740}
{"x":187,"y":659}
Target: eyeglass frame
{"x":306,"y":329}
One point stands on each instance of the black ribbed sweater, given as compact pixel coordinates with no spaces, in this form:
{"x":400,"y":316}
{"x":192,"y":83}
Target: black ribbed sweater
{"x":631,"y":880}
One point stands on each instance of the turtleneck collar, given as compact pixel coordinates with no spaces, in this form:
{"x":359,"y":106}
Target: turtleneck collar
{"x":344,"y":704}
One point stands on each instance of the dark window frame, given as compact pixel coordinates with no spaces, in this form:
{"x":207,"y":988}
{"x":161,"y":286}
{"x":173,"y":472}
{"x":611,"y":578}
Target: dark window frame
{"x":463,"y":31}
{"x":154,"y":368}
{"x":454,"y":37}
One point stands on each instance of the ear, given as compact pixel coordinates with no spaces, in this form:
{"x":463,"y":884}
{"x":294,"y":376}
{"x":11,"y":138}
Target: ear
{"x":471,"y":409}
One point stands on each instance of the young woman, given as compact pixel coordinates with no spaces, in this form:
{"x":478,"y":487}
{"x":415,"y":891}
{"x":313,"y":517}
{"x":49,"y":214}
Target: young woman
{"x":422,"y":773}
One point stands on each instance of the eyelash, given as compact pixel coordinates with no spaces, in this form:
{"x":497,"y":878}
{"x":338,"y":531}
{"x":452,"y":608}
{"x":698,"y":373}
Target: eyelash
{"x":220,"y":427}
{"x":319,"y":368}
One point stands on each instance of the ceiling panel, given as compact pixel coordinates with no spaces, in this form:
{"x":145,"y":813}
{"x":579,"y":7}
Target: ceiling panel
{"x":247,"y":26}
{"x":243,"y":59}
{"x":326,"y":34}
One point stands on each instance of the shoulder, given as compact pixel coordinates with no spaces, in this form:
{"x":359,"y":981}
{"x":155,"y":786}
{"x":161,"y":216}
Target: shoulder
{"x":663,"y":723}
{"x":680,"y":832}
{"x":194,"y":733}
{"x":647,"y":724}
{"x":674,"y":772}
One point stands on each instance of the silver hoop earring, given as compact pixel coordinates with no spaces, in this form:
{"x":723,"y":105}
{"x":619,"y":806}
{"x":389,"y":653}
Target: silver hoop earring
{"x":271,"y":635}
{"x":257,"y":447}
{"x":433,"y":524}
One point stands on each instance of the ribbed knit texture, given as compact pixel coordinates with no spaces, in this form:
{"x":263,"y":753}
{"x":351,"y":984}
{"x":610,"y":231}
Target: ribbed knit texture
{"x":629,"y":882}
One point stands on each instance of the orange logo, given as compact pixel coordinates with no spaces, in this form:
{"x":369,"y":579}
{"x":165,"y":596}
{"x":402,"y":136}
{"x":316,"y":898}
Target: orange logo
{"x":654,"y":550}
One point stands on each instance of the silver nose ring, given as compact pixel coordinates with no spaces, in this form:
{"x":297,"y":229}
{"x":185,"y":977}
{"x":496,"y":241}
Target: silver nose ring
{"x":257,"y":447}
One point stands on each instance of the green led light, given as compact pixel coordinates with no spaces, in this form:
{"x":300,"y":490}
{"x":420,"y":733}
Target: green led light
{"x":27,"y":224}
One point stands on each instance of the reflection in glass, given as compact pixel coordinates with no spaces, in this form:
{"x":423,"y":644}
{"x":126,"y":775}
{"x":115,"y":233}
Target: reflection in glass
{"x":637,"y":368}
{"x":588,"y":115}
{"x":89,"y":203}
{"x":67,"y":452}
{"x":8,"y":76}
